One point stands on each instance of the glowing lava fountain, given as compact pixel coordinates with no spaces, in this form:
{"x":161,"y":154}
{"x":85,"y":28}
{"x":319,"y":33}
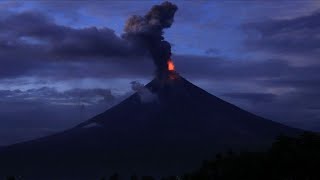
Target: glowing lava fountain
{"x":171,"y":65}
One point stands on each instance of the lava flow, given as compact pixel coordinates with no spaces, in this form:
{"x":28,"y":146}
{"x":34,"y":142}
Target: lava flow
{"x":171,"y":65}
{"x":171,"y":69}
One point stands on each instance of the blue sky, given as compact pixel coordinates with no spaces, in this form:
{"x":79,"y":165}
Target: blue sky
{"x":261,"y":56}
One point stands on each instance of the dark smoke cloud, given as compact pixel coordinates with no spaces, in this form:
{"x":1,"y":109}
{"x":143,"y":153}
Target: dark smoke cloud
{"x":33,"y":44}
{"x":42,"y":41}
{"x":148,"y":30}
{"x":57,"y":40}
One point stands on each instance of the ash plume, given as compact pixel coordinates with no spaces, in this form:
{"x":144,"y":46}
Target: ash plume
{"x":148,"y":30}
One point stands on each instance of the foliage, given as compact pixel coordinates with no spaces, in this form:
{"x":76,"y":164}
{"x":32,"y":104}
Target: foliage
{"x":288,"y":159}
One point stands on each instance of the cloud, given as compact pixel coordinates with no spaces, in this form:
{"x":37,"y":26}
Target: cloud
{"x":295,"y":41}
{"x":274,"y":88}
{"x":212,"y":51}
{"x":56,"y":40}
{"x":51,"y":96}
{"x":252,"y":97}
{"x":146,"y":96}
{"x":232,"y":69}
{"x":32,"y":113}
{"x":44,"y":48}
{"x":299,"y":35}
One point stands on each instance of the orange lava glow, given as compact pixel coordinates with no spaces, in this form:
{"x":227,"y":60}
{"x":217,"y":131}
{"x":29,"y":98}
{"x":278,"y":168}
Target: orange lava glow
{"x":170,"y":65}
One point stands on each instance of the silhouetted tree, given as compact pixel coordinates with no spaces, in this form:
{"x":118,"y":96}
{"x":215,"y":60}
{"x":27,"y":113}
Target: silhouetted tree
{"x":115,"y":176}
{"x":11,"y":178}
{"x":147,"y":178}
{"x":289,"y":158}
{"x":134,"y":177}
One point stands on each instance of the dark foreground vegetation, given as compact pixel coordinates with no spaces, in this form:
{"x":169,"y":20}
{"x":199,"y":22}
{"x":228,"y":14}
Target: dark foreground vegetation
{"x":288,"y":159}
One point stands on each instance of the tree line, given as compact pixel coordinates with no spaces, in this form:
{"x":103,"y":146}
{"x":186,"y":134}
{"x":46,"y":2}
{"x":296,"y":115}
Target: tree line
{"x":289,"y":158}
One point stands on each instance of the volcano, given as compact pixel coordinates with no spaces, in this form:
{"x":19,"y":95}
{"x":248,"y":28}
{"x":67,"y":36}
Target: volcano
{"x":169,"y":135}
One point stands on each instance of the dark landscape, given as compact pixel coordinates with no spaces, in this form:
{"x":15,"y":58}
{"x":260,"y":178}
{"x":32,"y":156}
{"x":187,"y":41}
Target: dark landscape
{"x":168,"y":129}
{"x":169,"y":136}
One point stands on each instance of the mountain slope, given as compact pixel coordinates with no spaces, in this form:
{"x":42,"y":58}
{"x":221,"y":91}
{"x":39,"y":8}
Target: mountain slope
{"x":169,"y":135}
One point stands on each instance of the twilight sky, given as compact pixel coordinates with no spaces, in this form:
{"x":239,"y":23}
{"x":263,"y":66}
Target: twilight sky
{"x":63,"y":62}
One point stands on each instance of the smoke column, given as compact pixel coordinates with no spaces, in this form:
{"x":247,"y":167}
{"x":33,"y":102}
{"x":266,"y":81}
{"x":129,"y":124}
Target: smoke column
{"x":148,"y":30}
